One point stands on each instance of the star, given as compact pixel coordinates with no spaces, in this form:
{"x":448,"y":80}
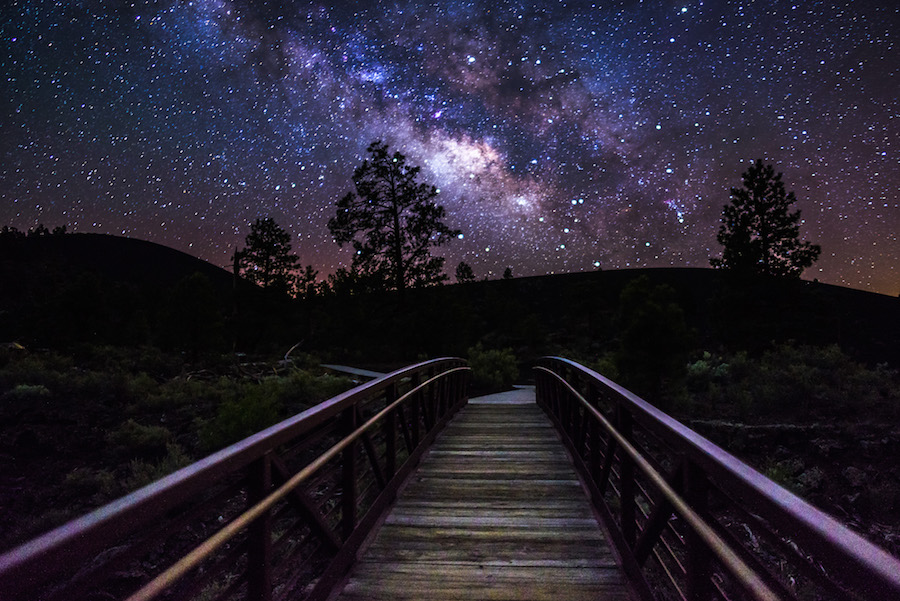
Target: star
{"x":615,"y":125}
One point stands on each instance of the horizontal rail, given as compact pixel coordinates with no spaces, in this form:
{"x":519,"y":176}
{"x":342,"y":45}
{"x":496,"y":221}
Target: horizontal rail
{"x":716,"y":496}
{"x":415,"y":401}
{"x":717,"y":545}
{"x":202,"y":552}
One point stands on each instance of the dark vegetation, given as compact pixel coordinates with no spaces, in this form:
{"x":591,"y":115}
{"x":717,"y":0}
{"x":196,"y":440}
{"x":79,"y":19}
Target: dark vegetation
{"x":132,"y":359}
{"x":82,"y":427}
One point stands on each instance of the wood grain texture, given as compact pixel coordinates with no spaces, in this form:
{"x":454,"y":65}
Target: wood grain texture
{"x":495,"y":511}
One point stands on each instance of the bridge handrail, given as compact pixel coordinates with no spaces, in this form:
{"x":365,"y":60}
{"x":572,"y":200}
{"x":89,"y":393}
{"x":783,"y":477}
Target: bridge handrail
{"x":192,"y":560}
{"x":867,"y":570}
{"x":60,"y":551}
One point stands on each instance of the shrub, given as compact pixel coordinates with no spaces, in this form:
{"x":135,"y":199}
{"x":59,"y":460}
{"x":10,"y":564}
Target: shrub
{"x":131,"y":438}
{"x":606,"y":366}
{"x":24,"y":393}
{"x":254,"y":408}
{"x":301,"y":389}
{"x":788,"y":381}
{"x":492,"y":370}
{"x":181,"y":392}
{"x":84,"y":482}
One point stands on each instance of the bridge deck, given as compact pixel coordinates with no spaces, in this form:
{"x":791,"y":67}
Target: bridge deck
{"x":495,"y":511}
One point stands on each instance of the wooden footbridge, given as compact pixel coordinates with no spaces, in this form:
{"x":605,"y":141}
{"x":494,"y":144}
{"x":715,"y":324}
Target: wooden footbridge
{"x":402,"y":488}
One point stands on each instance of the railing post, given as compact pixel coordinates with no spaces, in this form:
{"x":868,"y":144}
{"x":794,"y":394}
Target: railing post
{"x":441,"y":398}
{"x":429,"y":404}
{"x":696,"y":493}
{"x":557,"y":400}
{"x":593,"y":435}
{"x":259,"y":536}
{"x":627,"y":484}
{"x":453,"y":388}
{"x":390,"y":434}
{"x":539,"y":388}
{"x":348,"y":477}
{"x":583,"y":420}
{"x":414,"y":409}
{"x":568,"y":404}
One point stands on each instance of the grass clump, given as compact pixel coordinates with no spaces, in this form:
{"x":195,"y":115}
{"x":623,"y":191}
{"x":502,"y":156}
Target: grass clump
{"x":142,"y":473}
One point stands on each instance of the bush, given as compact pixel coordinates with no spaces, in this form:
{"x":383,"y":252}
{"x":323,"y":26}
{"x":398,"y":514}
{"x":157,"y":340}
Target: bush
{"x":133,"y":439}
{"x":492,"y":370}
{"x":301,"y":389}
{"x":26,"y":393}
{"x":793,"y":382}
{"x":254,"y":408}
{"x":606,"y":366}
{"x":85,"y":481}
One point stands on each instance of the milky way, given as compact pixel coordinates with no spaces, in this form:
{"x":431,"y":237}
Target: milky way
{"x":563,"y":136}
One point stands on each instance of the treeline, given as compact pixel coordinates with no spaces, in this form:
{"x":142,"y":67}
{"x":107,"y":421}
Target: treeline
{"x":8,"y":232}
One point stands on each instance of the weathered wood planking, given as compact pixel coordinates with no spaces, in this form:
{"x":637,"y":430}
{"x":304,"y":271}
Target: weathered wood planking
{"x":496,"y":512}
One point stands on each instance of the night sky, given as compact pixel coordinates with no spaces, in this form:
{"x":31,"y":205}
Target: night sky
{"x":562,"y":136}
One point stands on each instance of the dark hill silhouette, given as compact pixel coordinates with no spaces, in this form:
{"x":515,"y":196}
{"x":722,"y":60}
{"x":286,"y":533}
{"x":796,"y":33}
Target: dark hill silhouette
{"x":59,"y":289}
{"x":577,"y":313}
{"x":97,"y":288}
{"x":113,"y":257}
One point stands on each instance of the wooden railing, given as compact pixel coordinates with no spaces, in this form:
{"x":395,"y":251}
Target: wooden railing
{"x":690,"y":520}
{"x":278,"y":515}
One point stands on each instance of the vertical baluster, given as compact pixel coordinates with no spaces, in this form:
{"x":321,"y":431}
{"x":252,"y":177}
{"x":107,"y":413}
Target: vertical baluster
{"x":414,"y":411}
{"x":390,"y":434}
{"x":441,"y":398}
{"x":348,"y":477}
{"x":553,"y":389}
{"x":429,"y":406}
{"x":259,"y":536}
{"x":447,"y":398}
{"x":696,"y":493}
{"x":572,"y":379}
{"x":594,"y":438}
{"x":627,"y":485}
{"x":583,"y":417}
{"x":539,"y":388}
{"x":572,"y":405}
{"x":563,"y":402}
{"x":564,"y":409}
{"x":558,"y":400}
{"x":438,"y":400}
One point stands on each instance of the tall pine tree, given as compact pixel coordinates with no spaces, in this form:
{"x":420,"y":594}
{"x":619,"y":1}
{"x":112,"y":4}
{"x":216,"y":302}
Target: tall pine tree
{"x":267,"y":259}
{"x":758,"y":233}
{"x":392,"y":222}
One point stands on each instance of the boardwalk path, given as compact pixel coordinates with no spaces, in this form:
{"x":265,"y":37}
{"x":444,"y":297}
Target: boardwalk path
{"x":495,"y":511}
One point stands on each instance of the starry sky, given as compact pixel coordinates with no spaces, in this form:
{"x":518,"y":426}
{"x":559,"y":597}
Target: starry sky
{"x":562,"y":136}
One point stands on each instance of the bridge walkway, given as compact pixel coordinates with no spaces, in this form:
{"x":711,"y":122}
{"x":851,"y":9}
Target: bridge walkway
{"x":495,"y":511}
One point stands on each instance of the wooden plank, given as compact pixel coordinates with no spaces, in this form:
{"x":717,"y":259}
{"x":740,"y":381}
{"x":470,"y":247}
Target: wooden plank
{"x":495,"y":511}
